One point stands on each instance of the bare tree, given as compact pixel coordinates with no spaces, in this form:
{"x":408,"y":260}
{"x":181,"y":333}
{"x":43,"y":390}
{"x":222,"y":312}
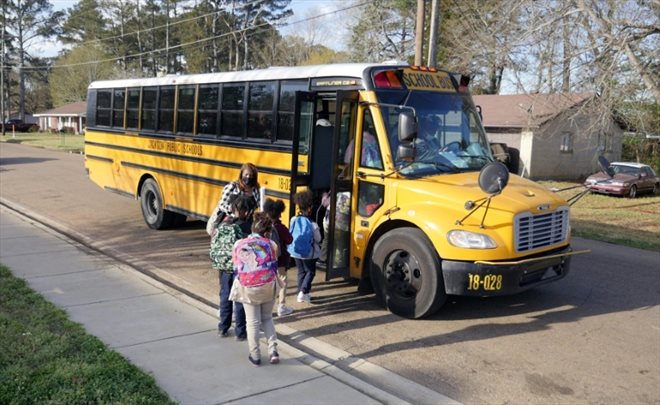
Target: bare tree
{"x":384,"y":30}
{"x":28,"y":21}
{"x":630,"y":33}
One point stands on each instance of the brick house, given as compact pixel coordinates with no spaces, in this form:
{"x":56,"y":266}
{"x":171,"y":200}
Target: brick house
{"x":557,"y":135}
{"x":68,"y":118}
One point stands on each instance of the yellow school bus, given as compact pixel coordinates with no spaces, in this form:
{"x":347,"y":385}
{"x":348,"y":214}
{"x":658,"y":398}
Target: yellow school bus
{"x":418,"y":210}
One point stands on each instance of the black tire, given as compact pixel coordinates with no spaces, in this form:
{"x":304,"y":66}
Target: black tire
{"x":406,"y":273}
{"x":151,"y":201}
{"x":632,"y":193}
{"x":656,"y":189}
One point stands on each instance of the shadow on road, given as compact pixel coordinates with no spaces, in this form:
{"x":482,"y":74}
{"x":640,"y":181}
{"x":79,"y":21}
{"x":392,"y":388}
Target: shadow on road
{"x":21,"y":160}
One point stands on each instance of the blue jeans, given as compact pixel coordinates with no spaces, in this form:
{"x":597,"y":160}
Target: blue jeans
{"x":306,"y":273}
{"x":227,"y":307}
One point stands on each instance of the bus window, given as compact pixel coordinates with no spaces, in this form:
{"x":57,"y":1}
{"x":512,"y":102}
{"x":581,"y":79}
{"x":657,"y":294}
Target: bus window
{"x":207,"y":115}
{"x":149,"y":98}
{"x":186,"y":110}
{"x":118,"y":108}
{"x":232,"y":110}
{"x":166,"y":109}
{"x":103,"y":107}
{"x":132,"y":108}
{"x":370,"y":151}
{"x":370,"y":198}
{"x":287,"y":103}
{"x":260,"y":110}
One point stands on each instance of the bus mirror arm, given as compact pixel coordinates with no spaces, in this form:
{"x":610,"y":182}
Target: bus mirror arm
{"x":492,"y":179}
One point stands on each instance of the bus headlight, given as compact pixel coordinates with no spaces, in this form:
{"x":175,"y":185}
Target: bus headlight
{"x":470,"y":240}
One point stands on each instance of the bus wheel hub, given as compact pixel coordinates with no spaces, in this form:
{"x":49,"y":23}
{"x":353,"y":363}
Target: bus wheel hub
{"x":402,"y":274}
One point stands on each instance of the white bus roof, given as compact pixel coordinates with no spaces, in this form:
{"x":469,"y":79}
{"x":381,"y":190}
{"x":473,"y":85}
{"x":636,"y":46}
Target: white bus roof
{"x":355,"y":70}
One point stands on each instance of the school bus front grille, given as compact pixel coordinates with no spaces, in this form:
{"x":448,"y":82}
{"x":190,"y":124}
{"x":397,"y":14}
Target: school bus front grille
{"x":541,"y":230}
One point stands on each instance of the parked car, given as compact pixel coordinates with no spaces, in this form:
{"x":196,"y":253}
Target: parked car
{"x":18,"y":125}
{"x":624,"y":179}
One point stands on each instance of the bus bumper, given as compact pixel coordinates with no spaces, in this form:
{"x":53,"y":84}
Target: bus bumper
{"x":483,"y":278}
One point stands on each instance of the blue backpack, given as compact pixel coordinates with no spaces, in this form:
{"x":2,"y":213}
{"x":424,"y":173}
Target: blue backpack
{"x":302,"y":231}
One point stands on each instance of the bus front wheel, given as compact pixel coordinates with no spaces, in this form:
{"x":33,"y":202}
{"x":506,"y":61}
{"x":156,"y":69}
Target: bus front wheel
{"x":405,"y":273}
{"x":151,"y":202}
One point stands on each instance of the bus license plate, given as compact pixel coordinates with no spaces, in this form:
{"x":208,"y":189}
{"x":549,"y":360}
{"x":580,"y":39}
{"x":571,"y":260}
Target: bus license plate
{"x":487,"y":282}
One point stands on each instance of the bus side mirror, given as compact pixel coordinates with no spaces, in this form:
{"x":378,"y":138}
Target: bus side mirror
{"x":407,"y":126}
{"x":405,"y":152}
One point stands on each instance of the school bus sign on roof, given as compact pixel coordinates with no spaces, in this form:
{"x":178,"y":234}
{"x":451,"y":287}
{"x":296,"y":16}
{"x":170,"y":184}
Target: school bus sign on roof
{"x":430,"y":81}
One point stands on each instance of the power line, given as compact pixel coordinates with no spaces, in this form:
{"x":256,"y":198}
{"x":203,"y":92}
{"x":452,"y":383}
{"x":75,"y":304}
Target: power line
{"x":175,"y":47}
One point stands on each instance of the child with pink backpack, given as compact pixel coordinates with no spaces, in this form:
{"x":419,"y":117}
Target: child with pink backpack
{"x":256,"y":285}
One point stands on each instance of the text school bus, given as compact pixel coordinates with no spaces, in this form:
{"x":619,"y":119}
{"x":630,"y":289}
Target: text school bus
{"x":424,"y":211}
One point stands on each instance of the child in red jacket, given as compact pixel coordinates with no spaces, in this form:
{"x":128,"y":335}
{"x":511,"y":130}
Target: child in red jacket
{"x":274,"y":210}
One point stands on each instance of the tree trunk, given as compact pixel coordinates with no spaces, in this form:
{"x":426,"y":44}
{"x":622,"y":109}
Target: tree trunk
{"x":566,"y":65}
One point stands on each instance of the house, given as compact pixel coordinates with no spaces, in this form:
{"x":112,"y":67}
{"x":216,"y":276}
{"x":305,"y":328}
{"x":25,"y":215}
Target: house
{"x":67,"y":118}
{"x":557,"y":136}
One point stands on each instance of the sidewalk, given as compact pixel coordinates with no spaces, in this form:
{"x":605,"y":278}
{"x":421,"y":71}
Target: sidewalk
{"x":171,"y":336}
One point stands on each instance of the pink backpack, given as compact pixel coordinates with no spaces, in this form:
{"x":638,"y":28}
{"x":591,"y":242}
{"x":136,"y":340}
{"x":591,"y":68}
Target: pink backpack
{"x":254,"y":261}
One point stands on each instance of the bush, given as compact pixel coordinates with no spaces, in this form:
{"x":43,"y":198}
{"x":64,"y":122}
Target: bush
{"x":642,"y":150}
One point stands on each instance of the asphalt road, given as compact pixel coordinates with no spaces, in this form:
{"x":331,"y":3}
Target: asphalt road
{"x":593,"y":337}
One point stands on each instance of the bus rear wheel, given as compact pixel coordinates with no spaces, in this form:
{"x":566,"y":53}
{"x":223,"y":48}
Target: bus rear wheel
{"x":151,"y":201}
{"x":406,"y":273}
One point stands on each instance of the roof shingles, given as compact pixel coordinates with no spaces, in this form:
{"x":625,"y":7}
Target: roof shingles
{"x":525,"y":110}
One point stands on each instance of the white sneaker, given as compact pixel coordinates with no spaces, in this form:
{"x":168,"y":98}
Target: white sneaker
{"x":283,"y":310}
{"x":307,"y":298}
{"x":301,"y":297}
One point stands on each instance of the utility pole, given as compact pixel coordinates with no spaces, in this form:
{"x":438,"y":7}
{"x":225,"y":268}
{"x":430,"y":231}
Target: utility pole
{"x":2,"y":70}
{"x":435,"y":16}
{"x":419,"y":33}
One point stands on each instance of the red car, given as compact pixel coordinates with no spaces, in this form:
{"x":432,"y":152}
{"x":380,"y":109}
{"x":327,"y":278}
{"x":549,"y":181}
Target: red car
{"x":624,"y":179}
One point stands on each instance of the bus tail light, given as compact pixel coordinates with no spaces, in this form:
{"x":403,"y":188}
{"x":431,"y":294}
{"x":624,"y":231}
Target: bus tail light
{"x":463,"y":82}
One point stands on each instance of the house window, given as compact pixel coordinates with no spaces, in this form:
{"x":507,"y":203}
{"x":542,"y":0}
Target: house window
{"x":566,"y":142}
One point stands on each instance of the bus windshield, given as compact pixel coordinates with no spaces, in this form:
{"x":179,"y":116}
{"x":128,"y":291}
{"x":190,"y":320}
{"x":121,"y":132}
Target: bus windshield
{"x":450,"y":138}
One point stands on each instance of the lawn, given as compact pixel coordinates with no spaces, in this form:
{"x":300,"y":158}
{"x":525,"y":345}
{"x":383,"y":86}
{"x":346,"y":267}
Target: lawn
{"x":46,"y":358}
{"x":625,"y":221}
{"x":49,"y":140}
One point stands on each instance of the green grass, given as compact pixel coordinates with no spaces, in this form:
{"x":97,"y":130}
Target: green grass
{"x":631,"y":222}
{"x":46,"y":358}
{"x":48,"y":140}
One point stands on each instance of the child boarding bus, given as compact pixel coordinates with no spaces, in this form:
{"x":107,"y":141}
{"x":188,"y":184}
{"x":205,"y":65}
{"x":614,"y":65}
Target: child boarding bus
{"x":418,"y":207}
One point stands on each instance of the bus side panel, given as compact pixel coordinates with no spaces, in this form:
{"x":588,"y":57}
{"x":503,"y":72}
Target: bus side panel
{"x":190,"y":175}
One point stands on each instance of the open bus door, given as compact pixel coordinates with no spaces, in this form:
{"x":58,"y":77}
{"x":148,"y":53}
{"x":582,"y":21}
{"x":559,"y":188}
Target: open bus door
{"x":303,"y":126}
{"x":339,"y":230}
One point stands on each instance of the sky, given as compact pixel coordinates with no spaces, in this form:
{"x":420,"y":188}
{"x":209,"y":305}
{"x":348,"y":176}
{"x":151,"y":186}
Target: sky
{"x":330,"y":28}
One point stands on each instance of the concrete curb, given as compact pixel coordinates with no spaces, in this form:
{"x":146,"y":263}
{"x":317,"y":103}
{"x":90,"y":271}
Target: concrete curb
{"x":355,"y":372}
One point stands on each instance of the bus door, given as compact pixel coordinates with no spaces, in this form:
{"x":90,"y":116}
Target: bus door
{"x":303,"y":126}
{"x":339,"y":217}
